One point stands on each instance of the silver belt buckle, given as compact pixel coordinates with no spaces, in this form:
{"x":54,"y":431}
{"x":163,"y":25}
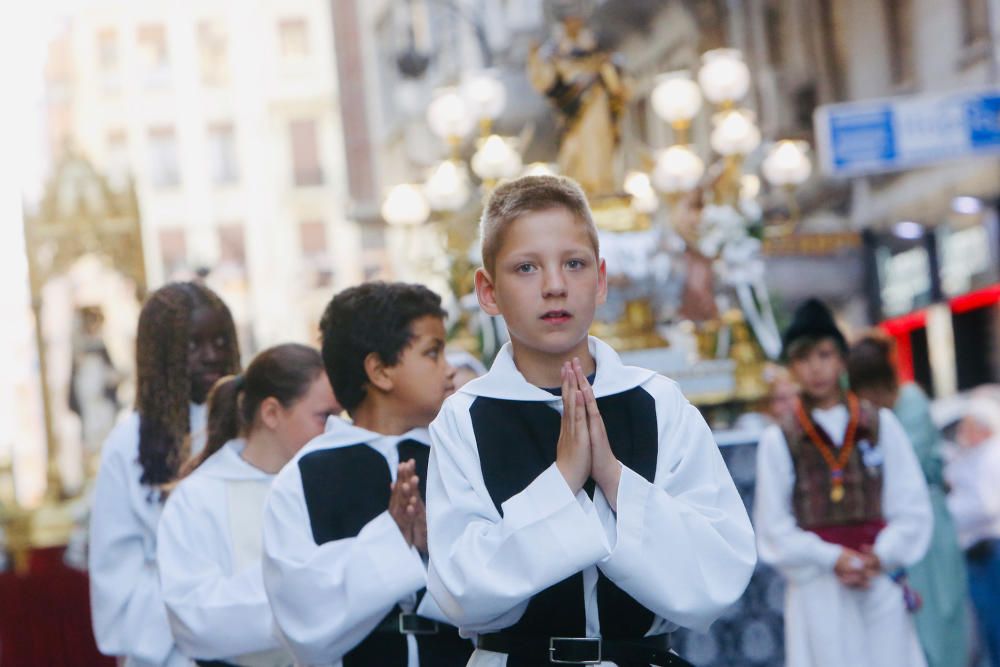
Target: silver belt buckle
{"x":553,"y":648}
{"x":411,"y":624}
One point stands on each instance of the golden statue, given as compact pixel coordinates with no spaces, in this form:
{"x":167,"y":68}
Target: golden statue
{"x":589,"y":91}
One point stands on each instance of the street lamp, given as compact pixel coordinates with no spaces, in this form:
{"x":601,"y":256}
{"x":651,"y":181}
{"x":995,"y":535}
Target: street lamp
{"x":448,"y":187}
{"x":678,"y":169}
{"x":724,"y":77}
{"x":676,"y":99}
{"x":787,"y":163}
{"x":449,"y":118}
{"x":787,"y":166}
{"x":735,"y":133}
{"x":496,"y":159}
{"x":644,"y":199}
{"x":485,"y":97}
{"x":405,"y":206}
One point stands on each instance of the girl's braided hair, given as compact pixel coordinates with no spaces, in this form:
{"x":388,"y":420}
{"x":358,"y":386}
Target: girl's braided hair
{"x":163,"y":392}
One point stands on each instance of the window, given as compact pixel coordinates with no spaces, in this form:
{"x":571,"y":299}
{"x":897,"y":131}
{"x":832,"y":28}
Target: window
{"x":775,"y":39}
{"x":107,"y":50}
{"x":164,"y":168}
{"x":173,"y":250}
{"x":232,"y":245}
{"x":899,"y":28}
{"x":222,"y":154}
{"x":293,"y":38}
{"x":152,"y":43}
{"x":975,"y":21}
{"x":117,"y":160}
{"x":305,"y":153}
{"x":313,"y":243}
{"x":212,"y":53}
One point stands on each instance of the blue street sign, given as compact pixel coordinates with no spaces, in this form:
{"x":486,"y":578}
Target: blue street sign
{"x":876,"y":136}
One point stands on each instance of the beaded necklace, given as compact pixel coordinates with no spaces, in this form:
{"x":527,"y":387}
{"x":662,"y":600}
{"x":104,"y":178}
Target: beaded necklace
{"x":835,"y":462}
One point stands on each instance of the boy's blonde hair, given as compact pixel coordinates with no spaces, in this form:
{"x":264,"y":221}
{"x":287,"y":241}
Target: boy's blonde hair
{"x":525,"y":195}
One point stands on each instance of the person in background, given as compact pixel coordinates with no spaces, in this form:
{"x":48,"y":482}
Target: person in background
{"x":209,"y":537}
{"x":973,"y":476}
{"x":185,"y":343}
{"x":940,"y":577}
{"x":841,"y":508}
{"x":778,"y":405}
{"x":345,"y":532}
{"x":467,"y":367}
{"x":783,"y":392}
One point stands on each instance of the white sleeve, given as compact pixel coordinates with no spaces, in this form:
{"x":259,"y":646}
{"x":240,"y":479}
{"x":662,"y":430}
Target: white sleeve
{"x":906,"y":505}
{"x":683,"y":546}
{"x":127,"y":611}
{"x":327,"y":598}
{"x":213,"y":614}
{"x":799,"y":554}
{"x":484,"y":567}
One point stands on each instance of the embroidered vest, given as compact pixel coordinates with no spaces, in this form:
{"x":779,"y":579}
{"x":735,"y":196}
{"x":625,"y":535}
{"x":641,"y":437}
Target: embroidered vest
{"x":862,"y":501}
{"x":517,"y":442}
{"x":345,"y":488}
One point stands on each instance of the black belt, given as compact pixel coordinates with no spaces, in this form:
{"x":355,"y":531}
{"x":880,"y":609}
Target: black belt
{"x":653,"y":650}
{"x":406,"y":623}
{"x":982,"y":551}
{"x":214,"y":663}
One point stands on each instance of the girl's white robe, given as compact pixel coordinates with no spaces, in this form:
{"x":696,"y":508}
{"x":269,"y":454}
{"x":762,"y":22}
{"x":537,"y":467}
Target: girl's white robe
{"x":208,"y":550}
{"x":826,"y":623}
{"x":127,"y":611}
{"x":682,"y":545}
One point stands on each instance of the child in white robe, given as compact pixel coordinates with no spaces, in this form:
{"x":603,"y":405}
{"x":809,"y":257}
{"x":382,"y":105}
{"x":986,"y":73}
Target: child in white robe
{"x":186,"y":341}
{"x":345,"y":538}
{"x":578,"y":509}
{"x":841,"y":508}
{"x":209,"y":537}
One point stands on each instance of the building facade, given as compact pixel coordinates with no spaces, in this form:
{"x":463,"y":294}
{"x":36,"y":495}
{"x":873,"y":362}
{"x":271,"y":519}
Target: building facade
{"x":225,"y":115}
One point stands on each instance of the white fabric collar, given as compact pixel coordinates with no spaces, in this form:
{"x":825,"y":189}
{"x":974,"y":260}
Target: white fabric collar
{"x":227,"y":463}
{"x":505,"y":382}
{"x":342,"y":433}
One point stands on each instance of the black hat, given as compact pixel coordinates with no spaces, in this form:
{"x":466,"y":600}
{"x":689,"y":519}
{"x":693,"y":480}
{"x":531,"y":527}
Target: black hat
{"x":814,"y":320}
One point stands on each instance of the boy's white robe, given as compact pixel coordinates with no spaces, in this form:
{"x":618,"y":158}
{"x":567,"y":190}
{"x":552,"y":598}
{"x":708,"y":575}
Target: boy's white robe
{"x":327,"y":598}
{"x":209,"y":551}
{"x":682,"y":546}
{"x":826,"y":623}
{"x":127,"y":611}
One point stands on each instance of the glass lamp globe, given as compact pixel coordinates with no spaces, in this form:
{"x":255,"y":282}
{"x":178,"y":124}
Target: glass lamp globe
{"x":644,"y":199}
{"x":724,"y":76}
{"x":678,"y":169}
{"x":539,"y":169}
{"x":787,"y":163}
{"x":448,"y":187}
{"x":449,"y":116}
{"x":735,"y":133}
{"x":496,"y":159}
{"x":484,"y":94}
{"x":405,"y":206}
{"x":676,"y":98}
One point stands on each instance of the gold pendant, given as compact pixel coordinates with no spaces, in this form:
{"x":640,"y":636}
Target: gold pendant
{"x":837,"y":493}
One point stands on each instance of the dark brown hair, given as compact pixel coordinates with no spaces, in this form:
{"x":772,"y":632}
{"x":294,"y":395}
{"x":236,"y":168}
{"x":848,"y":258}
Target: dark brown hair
{"x":284,"y":372}
{"x":527,"y":194}
{"x":871,"y":363}
{"x":163,"y":383}
{"x":372,"y":317}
